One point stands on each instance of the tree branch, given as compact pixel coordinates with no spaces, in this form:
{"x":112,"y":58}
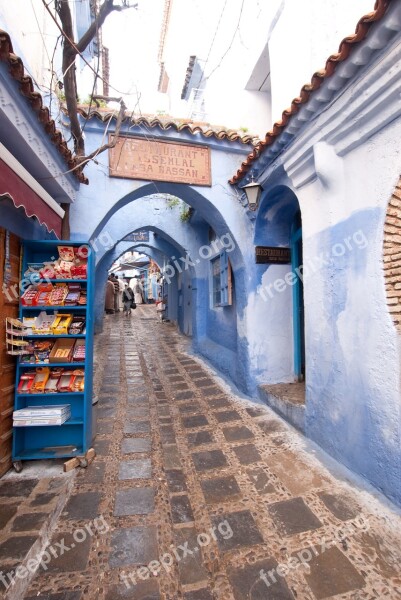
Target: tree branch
{"x":120,"y":119}
{"x":69,"y":77}
{"x":106,"y":8}
{"x":106,"y":99}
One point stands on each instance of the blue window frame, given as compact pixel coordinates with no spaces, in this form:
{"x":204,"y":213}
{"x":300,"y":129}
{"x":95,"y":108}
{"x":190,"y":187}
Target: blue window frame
{"x":221,"y":281}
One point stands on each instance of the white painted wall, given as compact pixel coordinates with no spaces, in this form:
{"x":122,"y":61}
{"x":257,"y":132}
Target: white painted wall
{"x":305,"y":35}
{"x":300,"y":35}
{"x":33,"y":35}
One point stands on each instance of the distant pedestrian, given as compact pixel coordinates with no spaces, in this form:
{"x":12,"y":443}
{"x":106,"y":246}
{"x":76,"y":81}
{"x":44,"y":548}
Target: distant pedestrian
{"x":109,"y":301}
{"x":128,"y":300}
{"x":116,"y":292}
{"x":121,"y":287}
{"x":138,"y":292}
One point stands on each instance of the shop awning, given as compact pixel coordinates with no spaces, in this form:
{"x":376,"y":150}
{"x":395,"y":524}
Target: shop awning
{"x":25,"y":192}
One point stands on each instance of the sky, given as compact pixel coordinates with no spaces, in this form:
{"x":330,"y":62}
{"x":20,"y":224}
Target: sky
{"x":132,"y":37}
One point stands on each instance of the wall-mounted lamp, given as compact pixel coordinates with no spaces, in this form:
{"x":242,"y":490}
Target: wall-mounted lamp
{"x":253,"y":192}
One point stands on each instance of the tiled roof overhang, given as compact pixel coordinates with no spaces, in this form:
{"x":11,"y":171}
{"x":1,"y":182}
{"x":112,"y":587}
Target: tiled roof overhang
{"x":346,"y":47}
{"x":17,"y":71}
{"x":179,"y":125}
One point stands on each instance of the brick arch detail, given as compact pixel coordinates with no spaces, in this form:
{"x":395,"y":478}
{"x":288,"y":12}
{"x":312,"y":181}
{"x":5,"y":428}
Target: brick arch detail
{"x":392,"y":255}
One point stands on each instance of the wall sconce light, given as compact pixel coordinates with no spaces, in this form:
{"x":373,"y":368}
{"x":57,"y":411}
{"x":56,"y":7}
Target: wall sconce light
{"x":253,"y":192}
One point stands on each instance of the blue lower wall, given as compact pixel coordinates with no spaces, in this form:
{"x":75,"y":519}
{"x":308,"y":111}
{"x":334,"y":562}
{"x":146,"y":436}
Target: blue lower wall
{"x":352,"y":401}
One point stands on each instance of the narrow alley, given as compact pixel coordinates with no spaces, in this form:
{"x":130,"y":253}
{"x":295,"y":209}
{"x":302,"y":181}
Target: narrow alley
{"x":199,"y":494}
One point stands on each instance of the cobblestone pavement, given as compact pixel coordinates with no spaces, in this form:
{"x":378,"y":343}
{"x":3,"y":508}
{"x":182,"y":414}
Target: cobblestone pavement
{"x":205,"y":491}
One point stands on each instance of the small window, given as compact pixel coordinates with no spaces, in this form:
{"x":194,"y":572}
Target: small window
{"x":221,"y":283}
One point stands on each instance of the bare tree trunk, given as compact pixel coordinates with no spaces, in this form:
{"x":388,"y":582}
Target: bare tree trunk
{"x":70,"y":81}
{"x":65,"y":224}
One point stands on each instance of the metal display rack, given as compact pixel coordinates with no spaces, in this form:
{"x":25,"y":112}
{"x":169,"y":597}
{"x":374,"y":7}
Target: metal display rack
{"x":72,"y":438}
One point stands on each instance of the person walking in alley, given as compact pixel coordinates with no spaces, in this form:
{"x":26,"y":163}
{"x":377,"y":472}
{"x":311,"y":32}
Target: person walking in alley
{"x":121,"y":287}
{"x":116,"y":292}
{"x":109,"y":301}
{"x":138,"y":292}
{"x":128,"y":300}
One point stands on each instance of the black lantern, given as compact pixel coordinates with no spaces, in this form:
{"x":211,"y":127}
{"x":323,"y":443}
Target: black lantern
{"x":253,"y":192}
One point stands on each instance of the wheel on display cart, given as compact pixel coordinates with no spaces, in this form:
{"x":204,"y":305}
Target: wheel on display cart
{"x":17,"y":464}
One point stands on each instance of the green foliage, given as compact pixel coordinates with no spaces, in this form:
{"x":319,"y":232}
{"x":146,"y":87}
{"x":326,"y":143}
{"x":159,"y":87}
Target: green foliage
{"x":185,"y":213}
{"x":173,"y":201}
{"x":185,"y":210}
{"x":244,"y":129}
{"x":88,"y":101}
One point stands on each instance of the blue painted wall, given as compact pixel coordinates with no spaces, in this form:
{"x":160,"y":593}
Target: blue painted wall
{"x":343,"y":413}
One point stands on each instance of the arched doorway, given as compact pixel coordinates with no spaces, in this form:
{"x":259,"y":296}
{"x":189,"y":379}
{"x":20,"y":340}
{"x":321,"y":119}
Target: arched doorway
{"x":279,"y":225}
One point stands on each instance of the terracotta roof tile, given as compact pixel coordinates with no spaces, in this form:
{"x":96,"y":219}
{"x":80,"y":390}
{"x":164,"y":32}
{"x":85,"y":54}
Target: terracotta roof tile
{"x":345,"y":49}
{"x":167,"y":122}
{"x":27,"y":89}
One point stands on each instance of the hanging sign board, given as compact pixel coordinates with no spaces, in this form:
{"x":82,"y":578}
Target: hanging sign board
{"x":137,"y":158}
{"x":137,"y":236}
{"x":271,"y":255}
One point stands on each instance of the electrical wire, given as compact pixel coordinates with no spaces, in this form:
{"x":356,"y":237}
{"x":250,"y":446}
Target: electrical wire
{"x":232,"y":40}
{"x":209,"y":52}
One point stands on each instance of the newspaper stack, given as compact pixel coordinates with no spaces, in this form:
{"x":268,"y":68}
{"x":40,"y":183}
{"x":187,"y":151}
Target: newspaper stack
{"x":41,"y":415}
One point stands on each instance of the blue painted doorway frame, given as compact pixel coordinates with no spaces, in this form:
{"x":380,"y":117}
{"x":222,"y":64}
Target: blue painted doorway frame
{"x":298,"y":302}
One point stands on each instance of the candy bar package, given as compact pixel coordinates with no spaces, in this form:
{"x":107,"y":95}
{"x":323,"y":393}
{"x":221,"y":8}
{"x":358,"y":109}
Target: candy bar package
{"x":44,"y":293}
{"x":65,"y":382}
{"x":51,"y":386}
{"x":42,"y":350}
{"x":61,"y":324}
{"x":43,"y":324}
{"x":79,"y":351}
{"x":74,"y":292}
{"x":78,"y":383}
{"x":66,"y":253}
{"x":63,"y":269}
{"x":77,"y":325}
{"x":48,"y":271}
{"x":41,"y":376}
{"x":62,"y":350}
{"x":58,"y":294}
{"x":79,"y":271}
{"x":29,"y":297}
{"x":25,"y":383}
{"x":81,"y":254}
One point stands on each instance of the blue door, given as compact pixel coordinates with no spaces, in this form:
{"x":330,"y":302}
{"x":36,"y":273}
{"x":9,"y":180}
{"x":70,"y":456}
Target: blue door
{"x":298,"y":301}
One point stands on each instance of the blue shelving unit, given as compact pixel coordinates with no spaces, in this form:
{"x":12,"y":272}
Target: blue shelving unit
{"x":74,"y":437}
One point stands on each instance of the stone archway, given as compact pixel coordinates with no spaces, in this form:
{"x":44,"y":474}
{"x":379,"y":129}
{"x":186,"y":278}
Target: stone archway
{"x":228,"y":350}
{"x":160,"y":251}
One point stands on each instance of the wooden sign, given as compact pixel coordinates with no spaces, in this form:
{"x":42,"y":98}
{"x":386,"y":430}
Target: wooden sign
{"x":269,"y":254}
{"x":137,"y":158}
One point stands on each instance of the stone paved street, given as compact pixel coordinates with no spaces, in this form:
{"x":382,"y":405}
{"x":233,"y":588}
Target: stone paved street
{"x":214,"y":487}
